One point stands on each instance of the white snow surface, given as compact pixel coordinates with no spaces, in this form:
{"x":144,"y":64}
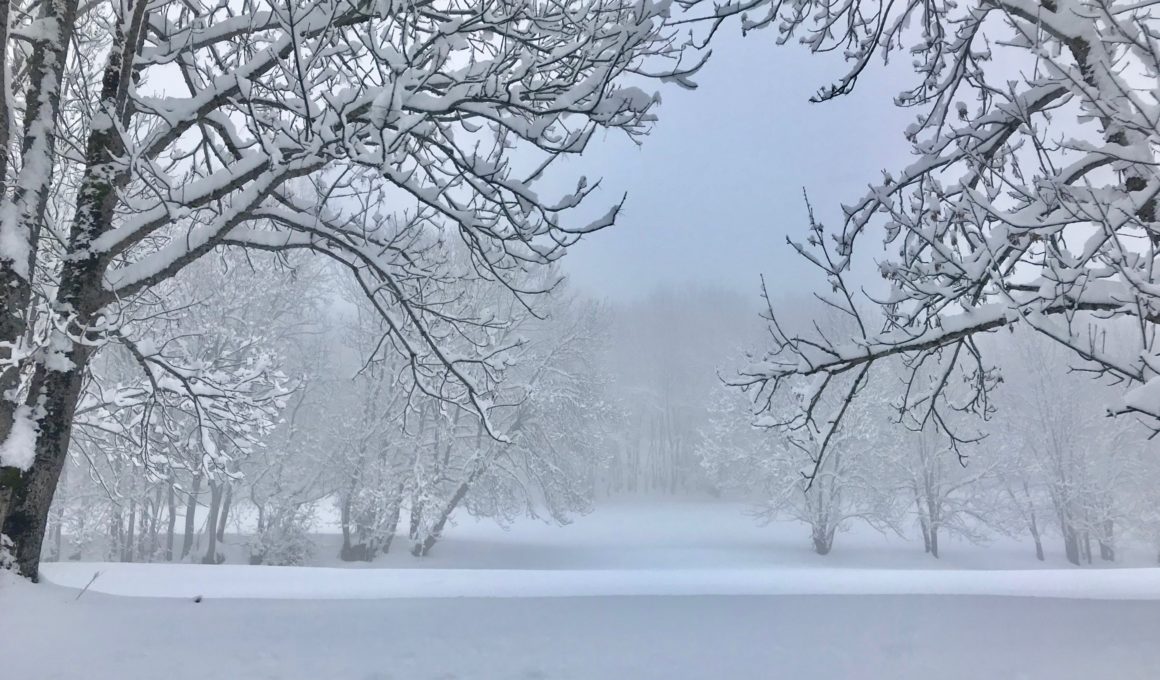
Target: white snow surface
{"x":279,"y":583}
{"x":18,"y":450}
{"x":675,"y":591}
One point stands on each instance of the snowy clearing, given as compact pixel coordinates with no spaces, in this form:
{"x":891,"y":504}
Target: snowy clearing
{"x":634,"y":591}
{"x":638,"y":638}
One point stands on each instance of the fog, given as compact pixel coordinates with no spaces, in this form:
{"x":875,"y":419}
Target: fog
{"x":602,"y":339}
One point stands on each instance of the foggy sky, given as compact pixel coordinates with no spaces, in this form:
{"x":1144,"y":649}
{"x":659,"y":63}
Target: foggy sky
{"x":717,"y":186}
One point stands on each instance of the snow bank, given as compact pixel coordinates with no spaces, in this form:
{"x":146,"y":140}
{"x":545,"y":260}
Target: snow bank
{"x":236,"y":581}
{"x":48,"y":634}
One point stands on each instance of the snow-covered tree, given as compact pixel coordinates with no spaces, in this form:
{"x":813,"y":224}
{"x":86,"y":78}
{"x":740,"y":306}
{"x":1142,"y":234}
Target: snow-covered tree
{"x":173,"y":416}
{"x":139,"y":137}
{"x":1031,"y":200}
{"x":557,"y":421}
{"x":754,"y":449}
{"x":948,"y":495}
{"x":1068,"y":462}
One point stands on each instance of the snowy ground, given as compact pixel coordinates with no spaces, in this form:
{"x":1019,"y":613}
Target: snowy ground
{"x":671,"y":591}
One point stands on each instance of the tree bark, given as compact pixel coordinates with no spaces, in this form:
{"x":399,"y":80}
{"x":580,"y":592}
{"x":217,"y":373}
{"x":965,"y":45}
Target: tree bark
{"x":29,"y":202}
{"x":56,"y":385}
{"x":31,"y":492}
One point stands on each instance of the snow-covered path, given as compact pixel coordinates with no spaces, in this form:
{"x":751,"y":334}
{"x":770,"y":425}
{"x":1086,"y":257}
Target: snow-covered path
{"x":633,"y":638}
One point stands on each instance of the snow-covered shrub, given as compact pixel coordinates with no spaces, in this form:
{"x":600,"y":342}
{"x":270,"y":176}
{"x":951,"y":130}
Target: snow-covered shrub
{"x":283,"y":539}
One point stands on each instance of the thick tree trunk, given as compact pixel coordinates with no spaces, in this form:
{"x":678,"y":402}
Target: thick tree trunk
{"x":57,"y":379}
{"x":22,"y":220}
{"x":32,"y":491}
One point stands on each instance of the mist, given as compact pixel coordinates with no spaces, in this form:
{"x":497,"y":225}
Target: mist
{"x":595,"y":340}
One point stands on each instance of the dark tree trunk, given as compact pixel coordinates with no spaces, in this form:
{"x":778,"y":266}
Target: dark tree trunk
{"x":24,"y":491}
{"x":31,"y":492}
{"x":28,"y":495}
{"x":190,"y":515}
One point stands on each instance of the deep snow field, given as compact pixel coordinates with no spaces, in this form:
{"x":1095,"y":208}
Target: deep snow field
{"x":664,"y":591}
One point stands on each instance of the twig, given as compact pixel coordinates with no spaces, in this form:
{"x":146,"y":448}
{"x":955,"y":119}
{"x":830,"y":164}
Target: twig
{"x":86,"y":588}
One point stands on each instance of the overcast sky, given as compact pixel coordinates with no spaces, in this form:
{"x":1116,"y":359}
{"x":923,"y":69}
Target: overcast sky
{"x":717,"y":186}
